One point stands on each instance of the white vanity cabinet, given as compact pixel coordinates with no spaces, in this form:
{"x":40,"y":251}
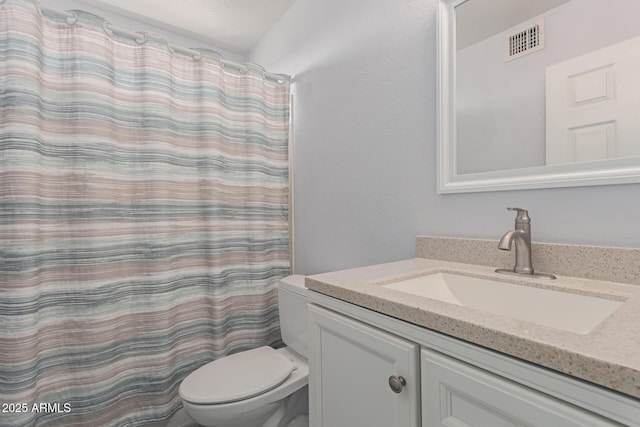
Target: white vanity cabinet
{"x":449,"y":383}
{"x":351,"y":364}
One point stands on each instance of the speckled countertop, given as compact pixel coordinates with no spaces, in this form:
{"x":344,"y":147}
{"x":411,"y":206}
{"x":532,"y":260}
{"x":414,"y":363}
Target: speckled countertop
{"x":609,"y":355}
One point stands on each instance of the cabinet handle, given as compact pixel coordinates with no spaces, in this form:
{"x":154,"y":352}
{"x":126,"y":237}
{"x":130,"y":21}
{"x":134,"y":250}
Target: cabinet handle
{"x":397,"y":383}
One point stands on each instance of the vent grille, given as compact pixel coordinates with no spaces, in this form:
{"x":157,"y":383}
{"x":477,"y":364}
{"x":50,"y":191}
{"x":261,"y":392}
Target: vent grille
{"x":524,"y":40}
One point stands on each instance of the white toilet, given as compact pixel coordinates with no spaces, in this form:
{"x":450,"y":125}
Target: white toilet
{"x":262,"y":387}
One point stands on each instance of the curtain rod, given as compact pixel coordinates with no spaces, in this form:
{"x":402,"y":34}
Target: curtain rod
{"x":141,"y":38}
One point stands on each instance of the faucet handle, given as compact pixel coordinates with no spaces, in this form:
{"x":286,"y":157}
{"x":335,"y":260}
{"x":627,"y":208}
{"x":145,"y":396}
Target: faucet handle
{"x":522,"y":214}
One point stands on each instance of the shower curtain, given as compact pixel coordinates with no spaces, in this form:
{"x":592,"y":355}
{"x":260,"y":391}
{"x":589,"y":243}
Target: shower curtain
{"x":143,"y":217}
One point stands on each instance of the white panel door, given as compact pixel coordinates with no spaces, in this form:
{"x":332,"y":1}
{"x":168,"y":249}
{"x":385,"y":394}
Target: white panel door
{"x":349,"y":368}
{"x":456,"y":394}
{"x":593,"y":105}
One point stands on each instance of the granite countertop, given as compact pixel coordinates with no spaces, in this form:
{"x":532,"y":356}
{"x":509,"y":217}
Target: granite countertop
{"x":609,"y":355}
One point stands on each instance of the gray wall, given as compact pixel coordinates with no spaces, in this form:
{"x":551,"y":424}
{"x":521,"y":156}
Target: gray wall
{"x":365,"y":144}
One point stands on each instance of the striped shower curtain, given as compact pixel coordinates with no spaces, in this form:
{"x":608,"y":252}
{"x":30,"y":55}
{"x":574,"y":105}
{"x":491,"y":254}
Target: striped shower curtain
{"x":143,"y":218}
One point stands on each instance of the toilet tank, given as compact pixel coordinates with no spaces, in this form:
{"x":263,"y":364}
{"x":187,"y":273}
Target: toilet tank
{"x":292,"y":305}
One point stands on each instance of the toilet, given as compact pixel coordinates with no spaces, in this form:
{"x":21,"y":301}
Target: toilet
{"x":261,"y":387}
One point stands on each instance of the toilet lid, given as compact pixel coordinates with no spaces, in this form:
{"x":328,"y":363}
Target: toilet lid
{"x":237,"y":377}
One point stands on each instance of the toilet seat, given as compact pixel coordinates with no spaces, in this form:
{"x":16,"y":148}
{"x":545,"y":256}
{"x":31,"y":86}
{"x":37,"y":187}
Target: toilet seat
{"x":237,"y":377}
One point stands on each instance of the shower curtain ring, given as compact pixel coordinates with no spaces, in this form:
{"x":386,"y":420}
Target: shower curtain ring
{"x":71,"y":20}
{"x":106,"y":27}
{"x":142,"y":39}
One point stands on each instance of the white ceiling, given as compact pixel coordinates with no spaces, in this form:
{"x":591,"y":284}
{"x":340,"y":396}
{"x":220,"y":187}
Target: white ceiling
{"x":477,"y":20}
{"x":234,"y":25}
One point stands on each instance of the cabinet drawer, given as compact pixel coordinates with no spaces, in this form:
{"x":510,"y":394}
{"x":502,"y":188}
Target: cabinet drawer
{"x":456,"y":394}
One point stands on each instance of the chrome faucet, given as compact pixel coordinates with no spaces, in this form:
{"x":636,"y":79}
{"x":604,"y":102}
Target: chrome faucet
{"x":521,"y":235}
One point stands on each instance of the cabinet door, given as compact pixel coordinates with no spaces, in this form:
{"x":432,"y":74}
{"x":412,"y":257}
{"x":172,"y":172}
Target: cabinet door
{"x":456,"y":394}
{"x":349,"y":368}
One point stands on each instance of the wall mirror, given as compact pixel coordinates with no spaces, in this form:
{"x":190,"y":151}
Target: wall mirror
{"x":537,"y":94}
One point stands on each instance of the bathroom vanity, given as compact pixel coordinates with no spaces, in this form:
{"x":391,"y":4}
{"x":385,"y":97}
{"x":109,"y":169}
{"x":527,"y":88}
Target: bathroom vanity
{"x":383,"y":355}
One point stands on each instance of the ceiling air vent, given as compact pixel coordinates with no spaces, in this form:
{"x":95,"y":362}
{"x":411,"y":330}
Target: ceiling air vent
{"x":524,"y":40}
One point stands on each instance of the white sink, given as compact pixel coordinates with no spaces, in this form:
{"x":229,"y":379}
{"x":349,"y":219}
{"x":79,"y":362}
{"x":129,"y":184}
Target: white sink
{"x":556,"y":309}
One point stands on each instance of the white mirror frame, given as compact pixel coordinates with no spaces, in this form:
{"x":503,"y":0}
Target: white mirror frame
{"x":614,"y":171}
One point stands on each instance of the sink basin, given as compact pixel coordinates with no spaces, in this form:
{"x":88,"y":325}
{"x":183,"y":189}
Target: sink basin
{"x":555,"y":309}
